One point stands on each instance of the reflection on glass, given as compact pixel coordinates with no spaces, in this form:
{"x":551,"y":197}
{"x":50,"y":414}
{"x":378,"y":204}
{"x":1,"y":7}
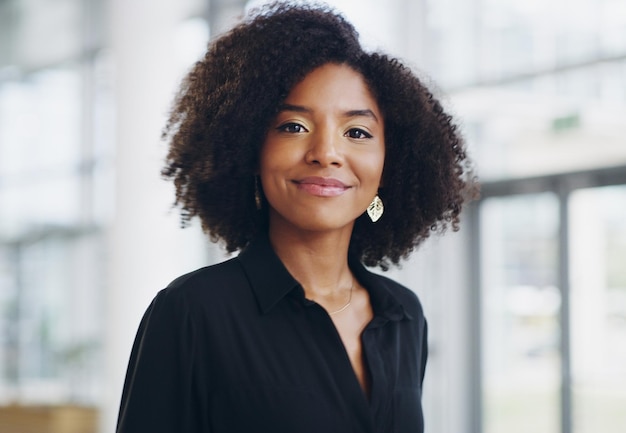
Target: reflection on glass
{"x":520,"y":305}
{"x":44,"y":355}
{"x":40,"y":131}
{"x":55,"y":141}
{"x":598,"y":300}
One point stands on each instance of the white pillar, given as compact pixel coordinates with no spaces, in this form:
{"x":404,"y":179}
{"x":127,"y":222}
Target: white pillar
{"x":147,"y":248}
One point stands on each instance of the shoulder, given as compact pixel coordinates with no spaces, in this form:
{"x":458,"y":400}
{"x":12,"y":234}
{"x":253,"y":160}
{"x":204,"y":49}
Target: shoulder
{"x":205,"y":286}
{"x":402,"y":294}
{"x":224,"y":272}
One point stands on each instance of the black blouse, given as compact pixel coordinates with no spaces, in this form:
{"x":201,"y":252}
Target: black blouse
{"x":236,"y":347}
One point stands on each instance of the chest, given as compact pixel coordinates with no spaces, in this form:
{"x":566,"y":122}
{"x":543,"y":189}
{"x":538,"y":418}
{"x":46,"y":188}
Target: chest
{"x":307,"y":372}
{"x":350,"y":329}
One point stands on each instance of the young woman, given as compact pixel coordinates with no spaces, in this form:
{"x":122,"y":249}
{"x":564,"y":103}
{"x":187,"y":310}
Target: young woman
{"x":312,"y":158}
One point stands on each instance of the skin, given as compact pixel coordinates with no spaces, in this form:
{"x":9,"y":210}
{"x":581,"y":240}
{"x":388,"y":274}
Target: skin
{"x":320,"y":167}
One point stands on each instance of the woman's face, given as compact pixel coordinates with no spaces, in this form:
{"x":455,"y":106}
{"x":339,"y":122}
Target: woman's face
{"x":322,"y":159}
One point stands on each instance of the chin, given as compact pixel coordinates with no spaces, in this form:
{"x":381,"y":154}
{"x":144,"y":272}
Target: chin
{"x":316,"y":222}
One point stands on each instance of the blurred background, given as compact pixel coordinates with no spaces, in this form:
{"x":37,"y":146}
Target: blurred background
{"x":526,"y":304}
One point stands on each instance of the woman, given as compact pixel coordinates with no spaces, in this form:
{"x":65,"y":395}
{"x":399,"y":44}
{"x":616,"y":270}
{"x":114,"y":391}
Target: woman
{"x":311,"y":157}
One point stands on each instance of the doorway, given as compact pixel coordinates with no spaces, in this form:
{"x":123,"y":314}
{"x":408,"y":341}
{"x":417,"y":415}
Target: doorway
{"x":551,"y":290}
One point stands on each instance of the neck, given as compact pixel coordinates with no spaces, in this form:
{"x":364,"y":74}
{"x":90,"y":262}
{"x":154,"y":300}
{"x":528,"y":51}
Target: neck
{"x":319,"y":261}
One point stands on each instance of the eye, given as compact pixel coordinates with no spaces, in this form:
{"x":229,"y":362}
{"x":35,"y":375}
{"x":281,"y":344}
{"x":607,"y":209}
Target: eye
{"x":291,"y":128}
{"x":357,"y":133}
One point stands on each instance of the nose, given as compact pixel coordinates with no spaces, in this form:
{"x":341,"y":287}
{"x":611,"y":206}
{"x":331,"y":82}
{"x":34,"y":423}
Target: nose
{"x":325,"y":149}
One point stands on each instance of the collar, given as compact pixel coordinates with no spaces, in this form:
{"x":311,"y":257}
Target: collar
{"x":271,"y":281}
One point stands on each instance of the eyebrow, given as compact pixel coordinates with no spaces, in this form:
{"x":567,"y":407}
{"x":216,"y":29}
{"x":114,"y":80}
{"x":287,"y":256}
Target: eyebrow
{"x":351,"y":113}
{"x":362,"y":113}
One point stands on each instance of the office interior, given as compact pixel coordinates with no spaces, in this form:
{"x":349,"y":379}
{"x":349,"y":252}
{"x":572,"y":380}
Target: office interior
{"x":526,"y":303}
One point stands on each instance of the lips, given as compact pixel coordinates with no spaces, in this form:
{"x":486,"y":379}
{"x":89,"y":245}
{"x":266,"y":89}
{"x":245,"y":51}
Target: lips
{"x":322,"y":186}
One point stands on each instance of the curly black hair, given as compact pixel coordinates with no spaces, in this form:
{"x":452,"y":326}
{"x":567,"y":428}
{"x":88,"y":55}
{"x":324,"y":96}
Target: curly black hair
{"x":227,"y":101}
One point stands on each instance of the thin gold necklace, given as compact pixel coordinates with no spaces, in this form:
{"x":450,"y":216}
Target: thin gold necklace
{"x":347,"y":304}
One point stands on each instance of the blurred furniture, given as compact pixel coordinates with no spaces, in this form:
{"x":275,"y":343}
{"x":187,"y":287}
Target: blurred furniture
{"x":48,"y":419}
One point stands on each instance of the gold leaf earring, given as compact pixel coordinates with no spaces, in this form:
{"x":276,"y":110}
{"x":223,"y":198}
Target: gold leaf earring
{"x":375,"y":209}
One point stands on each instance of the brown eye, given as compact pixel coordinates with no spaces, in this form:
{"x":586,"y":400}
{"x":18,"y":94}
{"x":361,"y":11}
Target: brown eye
{"x":292,"y":128}
{"x":358,"y":133}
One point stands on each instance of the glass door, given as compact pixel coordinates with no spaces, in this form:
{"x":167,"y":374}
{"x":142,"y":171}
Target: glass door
{"x":520,"y":304}
{"x":553,"y":310}
{"x":598,"y":309}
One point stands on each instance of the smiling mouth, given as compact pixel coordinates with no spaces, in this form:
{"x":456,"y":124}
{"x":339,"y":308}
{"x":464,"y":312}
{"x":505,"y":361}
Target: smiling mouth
{"x":321,"y":186}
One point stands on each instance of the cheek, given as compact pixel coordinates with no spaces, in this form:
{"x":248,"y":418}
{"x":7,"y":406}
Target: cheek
{"x":274,"y":164}
{"x":277,"y":156}
{"x":268,"y":160}
{"x":377,"y":168}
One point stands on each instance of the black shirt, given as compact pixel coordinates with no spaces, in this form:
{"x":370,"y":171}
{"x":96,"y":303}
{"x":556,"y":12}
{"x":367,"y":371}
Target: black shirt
{"x":236,"y":347}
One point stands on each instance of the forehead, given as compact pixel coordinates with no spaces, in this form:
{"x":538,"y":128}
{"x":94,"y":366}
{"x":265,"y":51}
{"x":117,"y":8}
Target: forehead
{"x":339,"y":86}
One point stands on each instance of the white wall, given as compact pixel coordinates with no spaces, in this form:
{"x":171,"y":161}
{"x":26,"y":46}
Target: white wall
{"x":147,"y":248}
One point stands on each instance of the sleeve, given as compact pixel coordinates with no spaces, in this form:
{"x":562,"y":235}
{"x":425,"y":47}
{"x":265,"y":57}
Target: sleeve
{"x":424,"y":353}
{"x":159,"y":393}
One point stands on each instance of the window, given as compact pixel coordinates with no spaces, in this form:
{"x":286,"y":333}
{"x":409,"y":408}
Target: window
{"x":55,"y":171}
{"x":521,"y":305}
{"x":598,"y":308}
{"x":540,"y":91}
{"x":553,"y":303}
